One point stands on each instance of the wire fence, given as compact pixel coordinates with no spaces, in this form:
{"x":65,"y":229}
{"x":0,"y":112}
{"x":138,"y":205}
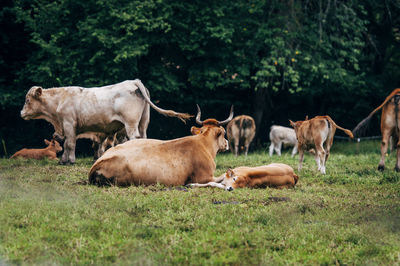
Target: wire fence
{"x":358,"y":139}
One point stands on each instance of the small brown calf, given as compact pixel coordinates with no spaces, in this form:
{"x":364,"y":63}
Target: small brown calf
{"x":49,"y":152}
{"x":315,"y":133}
{"x":276,"y":175}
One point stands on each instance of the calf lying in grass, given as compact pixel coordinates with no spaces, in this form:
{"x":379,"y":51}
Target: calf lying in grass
{"x":49,"y":152}
{"x":277,"y":175}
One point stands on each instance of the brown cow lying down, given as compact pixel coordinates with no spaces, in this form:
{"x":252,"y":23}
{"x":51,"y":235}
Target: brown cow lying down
{"x":276,"y":175}
{"x":174,"y":162}
{"x":49,"y":152}
{"x":314,"y":133}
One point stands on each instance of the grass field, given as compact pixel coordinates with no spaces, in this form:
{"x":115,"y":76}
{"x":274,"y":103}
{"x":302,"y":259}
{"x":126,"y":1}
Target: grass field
{"x":349,"y":216}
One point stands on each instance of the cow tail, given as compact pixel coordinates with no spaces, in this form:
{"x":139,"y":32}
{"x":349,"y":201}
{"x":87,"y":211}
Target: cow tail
{"x":348,"y":132}
{"x":362,"y":126}
{"x":241,"y":127}
{"x":143,"y":90}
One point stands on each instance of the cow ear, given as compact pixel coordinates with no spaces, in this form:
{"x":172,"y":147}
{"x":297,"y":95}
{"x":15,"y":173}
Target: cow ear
{"x":292,"y":123}
{"x":229,"y":173}
{"x":47,"y":142}
{"x":195,"y":130}
{"x":38,"y":92}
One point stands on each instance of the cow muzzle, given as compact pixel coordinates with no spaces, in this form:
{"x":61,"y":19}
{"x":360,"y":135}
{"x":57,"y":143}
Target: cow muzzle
{"x":229,"y":188}
{"x":23,"y":114}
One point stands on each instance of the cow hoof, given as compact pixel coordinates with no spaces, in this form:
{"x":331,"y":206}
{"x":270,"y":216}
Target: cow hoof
{"x":381,"y":167}
{"x":65,"y":163}
{"x":397,"y":169}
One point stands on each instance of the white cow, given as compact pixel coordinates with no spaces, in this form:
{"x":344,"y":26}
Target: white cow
{"x":279,"y":135}
{"x":76,"y":110}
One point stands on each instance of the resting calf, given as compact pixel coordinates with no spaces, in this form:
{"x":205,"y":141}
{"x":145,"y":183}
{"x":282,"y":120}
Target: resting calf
{"x":49,"y":152}
{"x":316,"y":132}
{"x":277,"y":175}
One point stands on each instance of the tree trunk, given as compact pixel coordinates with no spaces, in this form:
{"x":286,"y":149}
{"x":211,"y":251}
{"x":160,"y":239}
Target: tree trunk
{"x":260,"y":104}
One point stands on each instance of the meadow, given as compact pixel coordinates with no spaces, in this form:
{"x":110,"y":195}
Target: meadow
{"x":351,"y":215}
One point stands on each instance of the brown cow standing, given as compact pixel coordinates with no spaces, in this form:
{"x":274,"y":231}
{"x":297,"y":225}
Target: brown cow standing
{"x":49,"y":152}
{"x":314,"y":133}
{"x":240,"y":131}
{"x":390,"y":126}
{"x":173,"y":162}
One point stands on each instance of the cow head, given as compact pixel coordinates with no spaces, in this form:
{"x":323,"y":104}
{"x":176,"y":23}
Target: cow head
{"x":213,"y":126}
{"x":233,"y":181}
{"x":33,"y":103}
{"x":54,"y":145}
{"x":296,"y":125}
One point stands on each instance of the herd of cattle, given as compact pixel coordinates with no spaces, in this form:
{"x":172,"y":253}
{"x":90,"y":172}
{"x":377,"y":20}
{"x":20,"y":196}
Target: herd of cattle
{"x":116,"y":118}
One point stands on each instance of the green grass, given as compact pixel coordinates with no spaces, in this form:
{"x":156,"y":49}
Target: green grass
{"x":349,"y":216}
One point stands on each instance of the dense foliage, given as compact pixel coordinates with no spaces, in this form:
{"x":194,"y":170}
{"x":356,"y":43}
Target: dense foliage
{"x":272,"y":59}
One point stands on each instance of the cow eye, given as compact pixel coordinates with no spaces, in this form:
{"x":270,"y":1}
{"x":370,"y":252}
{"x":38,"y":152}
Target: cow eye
{"x":27,"y":101}
{"x":234,"y":179}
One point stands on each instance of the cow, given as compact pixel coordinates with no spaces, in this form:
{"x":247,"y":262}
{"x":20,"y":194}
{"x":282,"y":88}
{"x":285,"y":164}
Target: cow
{"x":240,"y":132}
{"x":102,"y":142}
{"x":276,"y":175}
{"x":390,"y":126}
{"x":173,"y":162}
{"x":314,"y":133}
{"x":76,"y":110}
{"x":279,"y":135}
{"x":49,"y":152}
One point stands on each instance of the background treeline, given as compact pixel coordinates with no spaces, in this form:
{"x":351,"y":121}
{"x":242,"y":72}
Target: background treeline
{"x":273,"y":60}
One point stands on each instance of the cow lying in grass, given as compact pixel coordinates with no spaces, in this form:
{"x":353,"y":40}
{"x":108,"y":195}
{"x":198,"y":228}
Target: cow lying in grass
{"x":315,"y":133}
{"x":276,"y":175}
{"x":173,"y":162}
{"x":49,"y":152}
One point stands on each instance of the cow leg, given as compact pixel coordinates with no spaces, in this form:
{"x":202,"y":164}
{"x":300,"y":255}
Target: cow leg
{"x":246,"y":147}
{"x":318,"y":161}
{"x":301,"y":158}
{"x":397,"y":167}
{"x":294,"y":151}
{"x":231,"y":147}
{"x":144,"y":122}
{"x":132,"y":131}
{"x":236,"y":143}
{"x":384,"y":147}
{"x":321,"y":157}
{"x":271,"y":149}
{"x":278,"y":148}
{"x":68,"y":156}
{"x":209,"y":184}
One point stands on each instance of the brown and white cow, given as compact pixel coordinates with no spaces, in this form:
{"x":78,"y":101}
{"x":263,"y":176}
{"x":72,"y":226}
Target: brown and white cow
{"x":172,"y":163}
{"x":76,"y":110}
{"x":102,"y":142}
{"x":49,"y":152}
{"x":279,"y":135}
{"x":390,"y":126}
{"x":240,"y":132}
{"x":276,"y":175}
{"x":314,"y":133}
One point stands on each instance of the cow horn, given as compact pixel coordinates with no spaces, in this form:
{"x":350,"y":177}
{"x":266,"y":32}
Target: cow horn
{"x":226,"y":121}
{"x":198,"y":121}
